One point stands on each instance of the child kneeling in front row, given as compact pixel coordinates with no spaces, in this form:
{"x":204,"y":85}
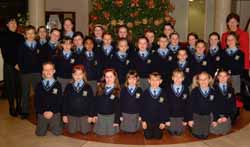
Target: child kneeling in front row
{"x":78,"y":102}
{"x":107,"y":105}
{"x":48,"y":97}
{"x":155,"y":107}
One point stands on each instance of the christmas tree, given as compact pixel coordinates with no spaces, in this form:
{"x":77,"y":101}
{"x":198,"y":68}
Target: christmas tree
{"x":137,"y":15}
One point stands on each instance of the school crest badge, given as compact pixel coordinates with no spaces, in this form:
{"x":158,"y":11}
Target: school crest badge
{"x":95,"y":63}
{"x":127,"y":62}
{"x":55,"y":91}
{"x":184,"y":96}
{"x":112,"y":97}
{"x":204,"y":63}
{"x":84,"y":93}
{"x":217,"y":58}
{"x":72,"y":61}
{"x":149,"y":61}
{"x":161,"y":100}
{"x":211,"y":97}
{"x":137,"y":95}
{"x":170,"y":58}
{"x":237,"y":57}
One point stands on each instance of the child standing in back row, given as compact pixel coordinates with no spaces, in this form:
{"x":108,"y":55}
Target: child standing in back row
{"x":64,"y":60}
{"x":29,"y":64}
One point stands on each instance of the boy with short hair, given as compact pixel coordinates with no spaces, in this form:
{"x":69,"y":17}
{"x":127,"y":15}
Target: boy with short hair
{"x":154,"y":111}
{"x":48,"y":100}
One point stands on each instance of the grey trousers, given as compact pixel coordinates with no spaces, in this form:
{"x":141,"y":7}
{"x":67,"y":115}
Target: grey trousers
{"x":28,"y":81}
{"x":236,"y":83}
{"x":93,"y":85}
{"x":104,"y":125}
{"x":201,"y":124}
{"x":222,"y":129}
{"x":176,"y":125}
{"x":54,"y":124}
{"x":78,"y":124}
{"x":130,"y":122}
{"x":63,"y":82}
{"x":144,"y":83}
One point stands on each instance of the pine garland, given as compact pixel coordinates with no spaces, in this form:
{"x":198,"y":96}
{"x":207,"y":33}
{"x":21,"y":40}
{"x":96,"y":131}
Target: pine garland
{"x":137,"y":15}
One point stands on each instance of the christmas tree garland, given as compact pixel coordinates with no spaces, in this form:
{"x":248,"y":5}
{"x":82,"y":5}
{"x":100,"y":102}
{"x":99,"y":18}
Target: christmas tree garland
{"x":137,"y":15}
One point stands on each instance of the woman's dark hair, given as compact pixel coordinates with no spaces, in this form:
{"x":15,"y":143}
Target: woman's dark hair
{"x":168,"y":24}
{"x":231,"y":16}
{"x":216,"y":81}
{"x":78,"y":33}
{"x":236,"y":36}
{"x":101,"y":86}
{"x":193,"y":34}
{"x":217,"y":35}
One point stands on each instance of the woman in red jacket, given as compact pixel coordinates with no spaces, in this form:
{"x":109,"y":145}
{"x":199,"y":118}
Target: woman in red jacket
{"x":233,"y":25}
{"x":233,"y":21}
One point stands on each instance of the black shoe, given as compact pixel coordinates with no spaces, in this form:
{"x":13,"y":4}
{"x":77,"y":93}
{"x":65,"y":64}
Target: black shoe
{"x":18,"y":110}
{"x":24,"y":115}
{"x":171,"y":133}
{"x":178,"y":133}
{"x":12,"y":112}
{"x":197,"y":136}
{"x":204,"y":136}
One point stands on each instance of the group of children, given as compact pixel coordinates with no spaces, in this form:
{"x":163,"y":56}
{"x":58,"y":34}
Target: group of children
{"x":115,"y":85}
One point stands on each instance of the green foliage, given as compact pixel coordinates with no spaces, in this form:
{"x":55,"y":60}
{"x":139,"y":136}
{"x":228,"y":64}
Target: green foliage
{"x":137,"y":15}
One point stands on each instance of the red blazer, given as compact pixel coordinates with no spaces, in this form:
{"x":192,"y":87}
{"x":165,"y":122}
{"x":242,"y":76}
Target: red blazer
{"x":244,"y":44}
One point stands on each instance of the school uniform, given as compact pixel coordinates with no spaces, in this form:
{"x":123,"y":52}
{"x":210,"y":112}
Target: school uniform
{"x":122,"y":64}
{"x":42,"y":45}
{"x":164,"y":58}
{"x":153,"y":47}
{"x":234,"y":63}
{"x":141,"y":62}
{"x":217,"y":58}
{"x":77,"y":106}
{"x":52,"y":48}
{"x":130,"y":108}
{"x":155,"y":110}
{"x":131,"y":48}
{"x":106,"y":53}
{"x":185,"y":66}
{"x":64,"y":63}
{"x":190,"y":51}
{"x":10,"y":42}
{"x":226,"y":107}
{"x":107,"y":110}
{"x":79,"y":51}
{"x":203,"y":105}
{"x":68,"y":34}
{"x":48,"y":97}
{"x":200,"y":63}
{"x":29,"y":61}
{"x":174,"y":50}
{"x":92,"y":63}
{"x":98,"y":42}
{"x":178,"y":99}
